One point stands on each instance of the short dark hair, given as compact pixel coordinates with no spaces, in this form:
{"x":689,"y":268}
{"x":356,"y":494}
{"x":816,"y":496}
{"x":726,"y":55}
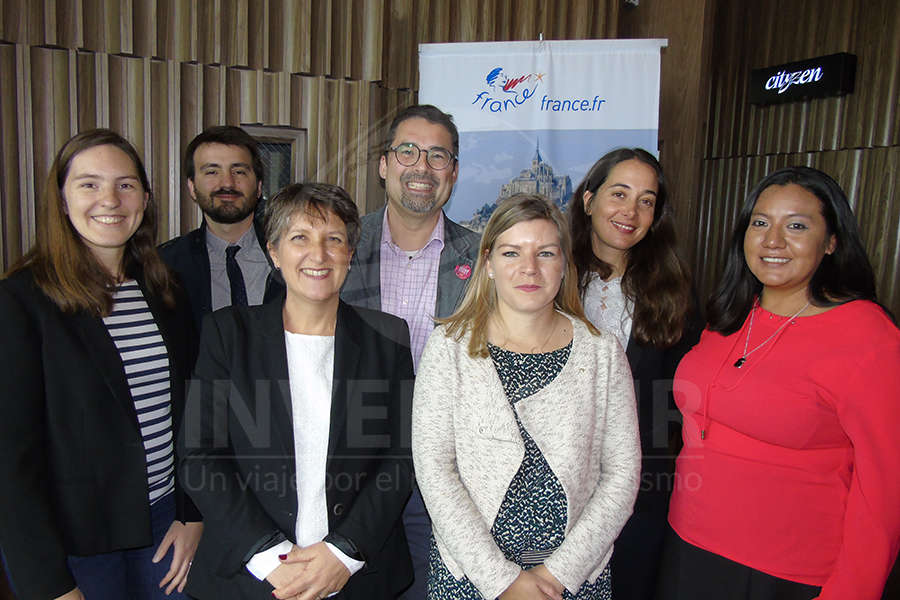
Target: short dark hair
{"x":430,"y":113}
{"x":230,"y":136}
{"x":315,"y":199}
{"x":844,"y":275}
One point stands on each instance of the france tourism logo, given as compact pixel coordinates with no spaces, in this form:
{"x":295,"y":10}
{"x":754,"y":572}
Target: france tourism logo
{"x":507,"y":91}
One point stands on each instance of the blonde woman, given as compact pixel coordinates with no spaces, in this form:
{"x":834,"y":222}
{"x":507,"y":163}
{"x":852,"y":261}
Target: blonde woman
{"x":524,"y":427}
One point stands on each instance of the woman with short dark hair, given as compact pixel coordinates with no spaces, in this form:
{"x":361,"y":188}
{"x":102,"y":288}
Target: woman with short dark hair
{"x":95,"y":347}
{"x":301,"y":462}
{"x":785,"y":488}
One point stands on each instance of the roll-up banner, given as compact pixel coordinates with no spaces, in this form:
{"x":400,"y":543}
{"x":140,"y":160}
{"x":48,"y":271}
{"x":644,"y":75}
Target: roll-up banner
{"x":534,"y":116}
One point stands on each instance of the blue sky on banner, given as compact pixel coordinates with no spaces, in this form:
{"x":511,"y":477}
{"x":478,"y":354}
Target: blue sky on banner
{"x":575,"y":99}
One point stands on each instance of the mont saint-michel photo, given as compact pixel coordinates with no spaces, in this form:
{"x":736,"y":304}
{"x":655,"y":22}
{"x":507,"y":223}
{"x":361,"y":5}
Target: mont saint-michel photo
{"x":497,"y":164}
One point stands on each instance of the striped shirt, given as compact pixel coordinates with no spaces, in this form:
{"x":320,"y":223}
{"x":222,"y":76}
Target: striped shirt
{"x":146,"y":361}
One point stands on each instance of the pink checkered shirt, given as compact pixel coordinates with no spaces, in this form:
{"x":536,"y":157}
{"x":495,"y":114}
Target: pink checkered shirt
{"x":409,"y":283}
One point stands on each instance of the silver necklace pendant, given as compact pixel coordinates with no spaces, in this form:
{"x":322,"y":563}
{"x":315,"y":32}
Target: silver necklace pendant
{"x":740,"y":362}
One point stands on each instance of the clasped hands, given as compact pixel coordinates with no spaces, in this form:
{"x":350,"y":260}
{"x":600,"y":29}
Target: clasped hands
{"x":309,"y":573}
{"x":534,"y":584}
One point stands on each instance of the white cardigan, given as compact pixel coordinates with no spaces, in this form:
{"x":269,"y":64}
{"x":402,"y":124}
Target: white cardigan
{"x":467,"y":448}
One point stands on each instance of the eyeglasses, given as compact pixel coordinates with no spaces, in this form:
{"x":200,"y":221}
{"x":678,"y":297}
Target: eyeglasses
{"x":408,"y":154}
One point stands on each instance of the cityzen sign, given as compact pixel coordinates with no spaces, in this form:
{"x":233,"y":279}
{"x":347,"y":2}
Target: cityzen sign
{"x":831,"y":75}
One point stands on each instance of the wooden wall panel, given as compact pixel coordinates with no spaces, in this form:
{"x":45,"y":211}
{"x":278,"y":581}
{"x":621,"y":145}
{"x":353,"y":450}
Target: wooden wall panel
{"x":855,"y":138}
{"x":160,"y":71}
{"x":770,"y":32}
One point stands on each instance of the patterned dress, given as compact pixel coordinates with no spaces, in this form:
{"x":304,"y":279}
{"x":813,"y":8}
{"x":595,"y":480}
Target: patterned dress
{"x":531,"y":522}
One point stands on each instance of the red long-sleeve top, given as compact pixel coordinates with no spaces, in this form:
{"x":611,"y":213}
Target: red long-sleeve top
{"x":791,"y":463}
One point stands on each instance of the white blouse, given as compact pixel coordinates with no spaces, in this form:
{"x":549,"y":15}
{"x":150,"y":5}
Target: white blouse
{"x":607,"y":308}
{"x":310,"y":361}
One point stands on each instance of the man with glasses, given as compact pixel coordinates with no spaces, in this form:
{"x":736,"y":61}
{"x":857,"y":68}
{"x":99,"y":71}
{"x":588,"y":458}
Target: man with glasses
{"x":412,"y":261}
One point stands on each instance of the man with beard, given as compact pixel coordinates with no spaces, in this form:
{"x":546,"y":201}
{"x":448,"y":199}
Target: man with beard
{"x":224,"y":261}
{"x":411,"y":260}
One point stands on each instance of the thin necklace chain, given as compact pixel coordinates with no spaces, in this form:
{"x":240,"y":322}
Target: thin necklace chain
{"x":535,"y":349}
{"x":740,"y":362}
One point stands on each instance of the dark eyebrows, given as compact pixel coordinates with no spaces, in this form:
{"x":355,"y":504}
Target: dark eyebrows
{"x":628,"y":187}
{"x":217,"y":165}
{"x":757,"y":213}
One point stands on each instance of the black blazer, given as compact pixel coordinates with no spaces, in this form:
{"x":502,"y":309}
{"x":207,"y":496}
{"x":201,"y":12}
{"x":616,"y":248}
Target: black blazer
{"x":188,"y":257}
{"x":238,"y":447}
{"x":638,"y":549}
{"x":72,"y":461}
{"x":659,"y":421}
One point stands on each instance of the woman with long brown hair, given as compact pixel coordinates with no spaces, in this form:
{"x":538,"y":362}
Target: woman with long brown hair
{"x":633,"y":283}
{"x":94,"y":353}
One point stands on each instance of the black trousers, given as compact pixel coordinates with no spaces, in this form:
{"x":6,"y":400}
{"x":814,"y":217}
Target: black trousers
{"x":690,"y":573}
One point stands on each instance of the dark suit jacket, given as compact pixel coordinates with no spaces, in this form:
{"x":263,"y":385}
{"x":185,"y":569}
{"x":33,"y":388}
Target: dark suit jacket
{"x":238,"y":447}
{"x":363,"y":284}
{"x":659,"y":421}
{"x":72,"y":461}
{"x":187,"y":256}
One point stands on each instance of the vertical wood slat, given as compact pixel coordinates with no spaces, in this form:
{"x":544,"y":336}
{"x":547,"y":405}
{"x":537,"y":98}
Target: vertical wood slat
{"x":209,"y":32}
{"x":128,"y":110}
{"x":12,"y":223}
{"x":320,"y":36}
{"x":369,"y":28}
{"x":193,"y":79}
{"x":49,"y":92}
{"x":257,"y":35}
{"x":176,"y":30}
{"x":290,"y":36}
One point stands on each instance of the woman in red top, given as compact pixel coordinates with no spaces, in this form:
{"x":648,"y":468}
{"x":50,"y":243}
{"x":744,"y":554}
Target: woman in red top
{"x":787,"y":485}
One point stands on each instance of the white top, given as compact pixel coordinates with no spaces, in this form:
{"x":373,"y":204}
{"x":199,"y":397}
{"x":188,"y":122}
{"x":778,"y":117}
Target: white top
{"x":607,"y":308}
{"x":310,"y":361}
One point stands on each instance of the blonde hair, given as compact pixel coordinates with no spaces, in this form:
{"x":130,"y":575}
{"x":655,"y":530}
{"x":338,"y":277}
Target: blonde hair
{"x":480,"y":300}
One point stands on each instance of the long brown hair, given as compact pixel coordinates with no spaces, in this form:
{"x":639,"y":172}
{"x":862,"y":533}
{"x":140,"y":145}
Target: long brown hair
{"x":480,"y":300}
{"x":655,"y":278}
{"x":63,"y":266}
